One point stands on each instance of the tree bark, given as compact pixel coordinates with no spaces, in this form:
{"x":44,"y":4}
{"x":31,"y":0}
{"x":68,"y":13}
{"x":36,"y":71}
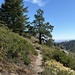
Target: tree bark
{"x":40,"y":42}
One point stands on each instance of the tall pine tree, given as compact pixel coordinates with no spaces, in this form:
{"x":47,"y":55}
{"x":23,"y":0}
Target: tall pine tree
{"x":40,"y":26}
{"x":14,"y":14}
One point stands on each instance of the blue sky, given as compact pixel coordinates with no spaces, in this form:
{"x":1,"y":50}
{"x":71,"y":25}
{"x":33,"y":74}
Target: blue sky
{"x":60,"y":13}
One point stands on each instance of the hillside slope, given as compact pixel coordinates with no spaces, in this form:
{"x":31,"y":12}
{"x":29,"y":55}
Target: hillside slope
{"x":15,"y":52}
{"x":23,"y":56}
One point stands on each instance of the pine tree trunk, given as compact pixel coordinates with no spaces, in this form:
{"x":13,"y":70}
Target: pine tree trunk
{"x":40,"y":42}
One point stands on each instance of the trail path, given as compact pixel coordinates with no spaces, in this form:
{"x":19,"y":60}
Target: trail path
{"x":38,"y":64}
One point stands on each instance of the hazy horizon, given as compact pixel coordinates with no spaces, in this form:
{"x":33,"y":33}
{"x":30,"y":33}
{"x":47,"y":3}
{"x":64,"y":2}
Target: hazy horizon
{"x":62,"y":40}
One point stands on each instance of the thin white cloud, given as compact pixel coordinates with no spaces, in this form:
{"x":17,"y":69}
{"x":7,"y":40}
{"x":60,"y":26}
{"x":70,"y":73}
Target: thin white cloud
{"x":39,"y":2}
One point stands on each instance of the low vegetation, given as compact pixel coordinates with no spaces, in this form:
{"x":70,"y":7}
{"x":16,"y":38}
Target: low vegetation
{"x":60,"y":56}
{"x":14,"y":47}
{"x":53,"y":67}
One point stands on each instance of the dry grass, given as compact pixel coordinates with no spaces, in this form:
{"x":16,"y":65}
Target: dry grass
{"x":55,"y":68}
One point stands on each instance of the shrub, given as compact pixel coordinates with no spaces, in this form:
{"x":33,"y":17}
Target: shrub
{"x":47,"y":53}
{"x":55,"y":68}
{"x":26,"y":35}
{"x":51,"y":71}
{"x":65,"y":59}
{"x":13,"y":46}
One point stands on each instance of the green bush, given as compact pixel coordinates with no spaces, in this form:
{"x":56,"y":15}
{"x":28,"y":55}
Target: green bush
{"x":13,"y":46}
{"x":47,"y":53}
{"x":26,"y":35}
{"x":51,"y":71}
{"x":53,"y":67}
{"x":65,"y":59}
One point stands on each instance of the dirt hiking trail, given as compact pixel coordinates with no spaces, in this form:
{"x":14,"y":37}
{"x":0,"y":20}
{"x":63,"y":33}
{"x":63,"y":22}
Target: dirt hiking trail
{"x":37,"y":64}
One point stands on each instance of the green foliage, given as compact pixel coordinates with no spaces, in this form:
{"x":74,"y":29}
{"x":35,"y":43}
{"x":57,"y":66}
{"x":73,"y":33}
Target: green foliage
{"x":13,"y":13}
{"x":47,"y":53}
{"x":49,"y":42}
{"x":60,"y":56}
{"x":66,"y":60}
{"x":2,"y":23}
{"x":40,"y":27}
{"x":52,"y":70}
{"x":13,"y":46}
{"x":26,"y":35}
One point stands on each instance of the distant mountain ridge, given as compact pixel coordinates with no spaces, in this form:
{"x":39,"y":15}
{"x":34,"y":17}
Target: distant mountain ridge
{"x":68,"y":45}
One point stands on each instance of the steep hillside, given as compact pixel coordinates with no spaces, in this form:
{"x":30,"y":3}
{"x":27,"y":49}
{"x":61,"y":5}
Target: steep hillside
{"x":15,"y":53}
